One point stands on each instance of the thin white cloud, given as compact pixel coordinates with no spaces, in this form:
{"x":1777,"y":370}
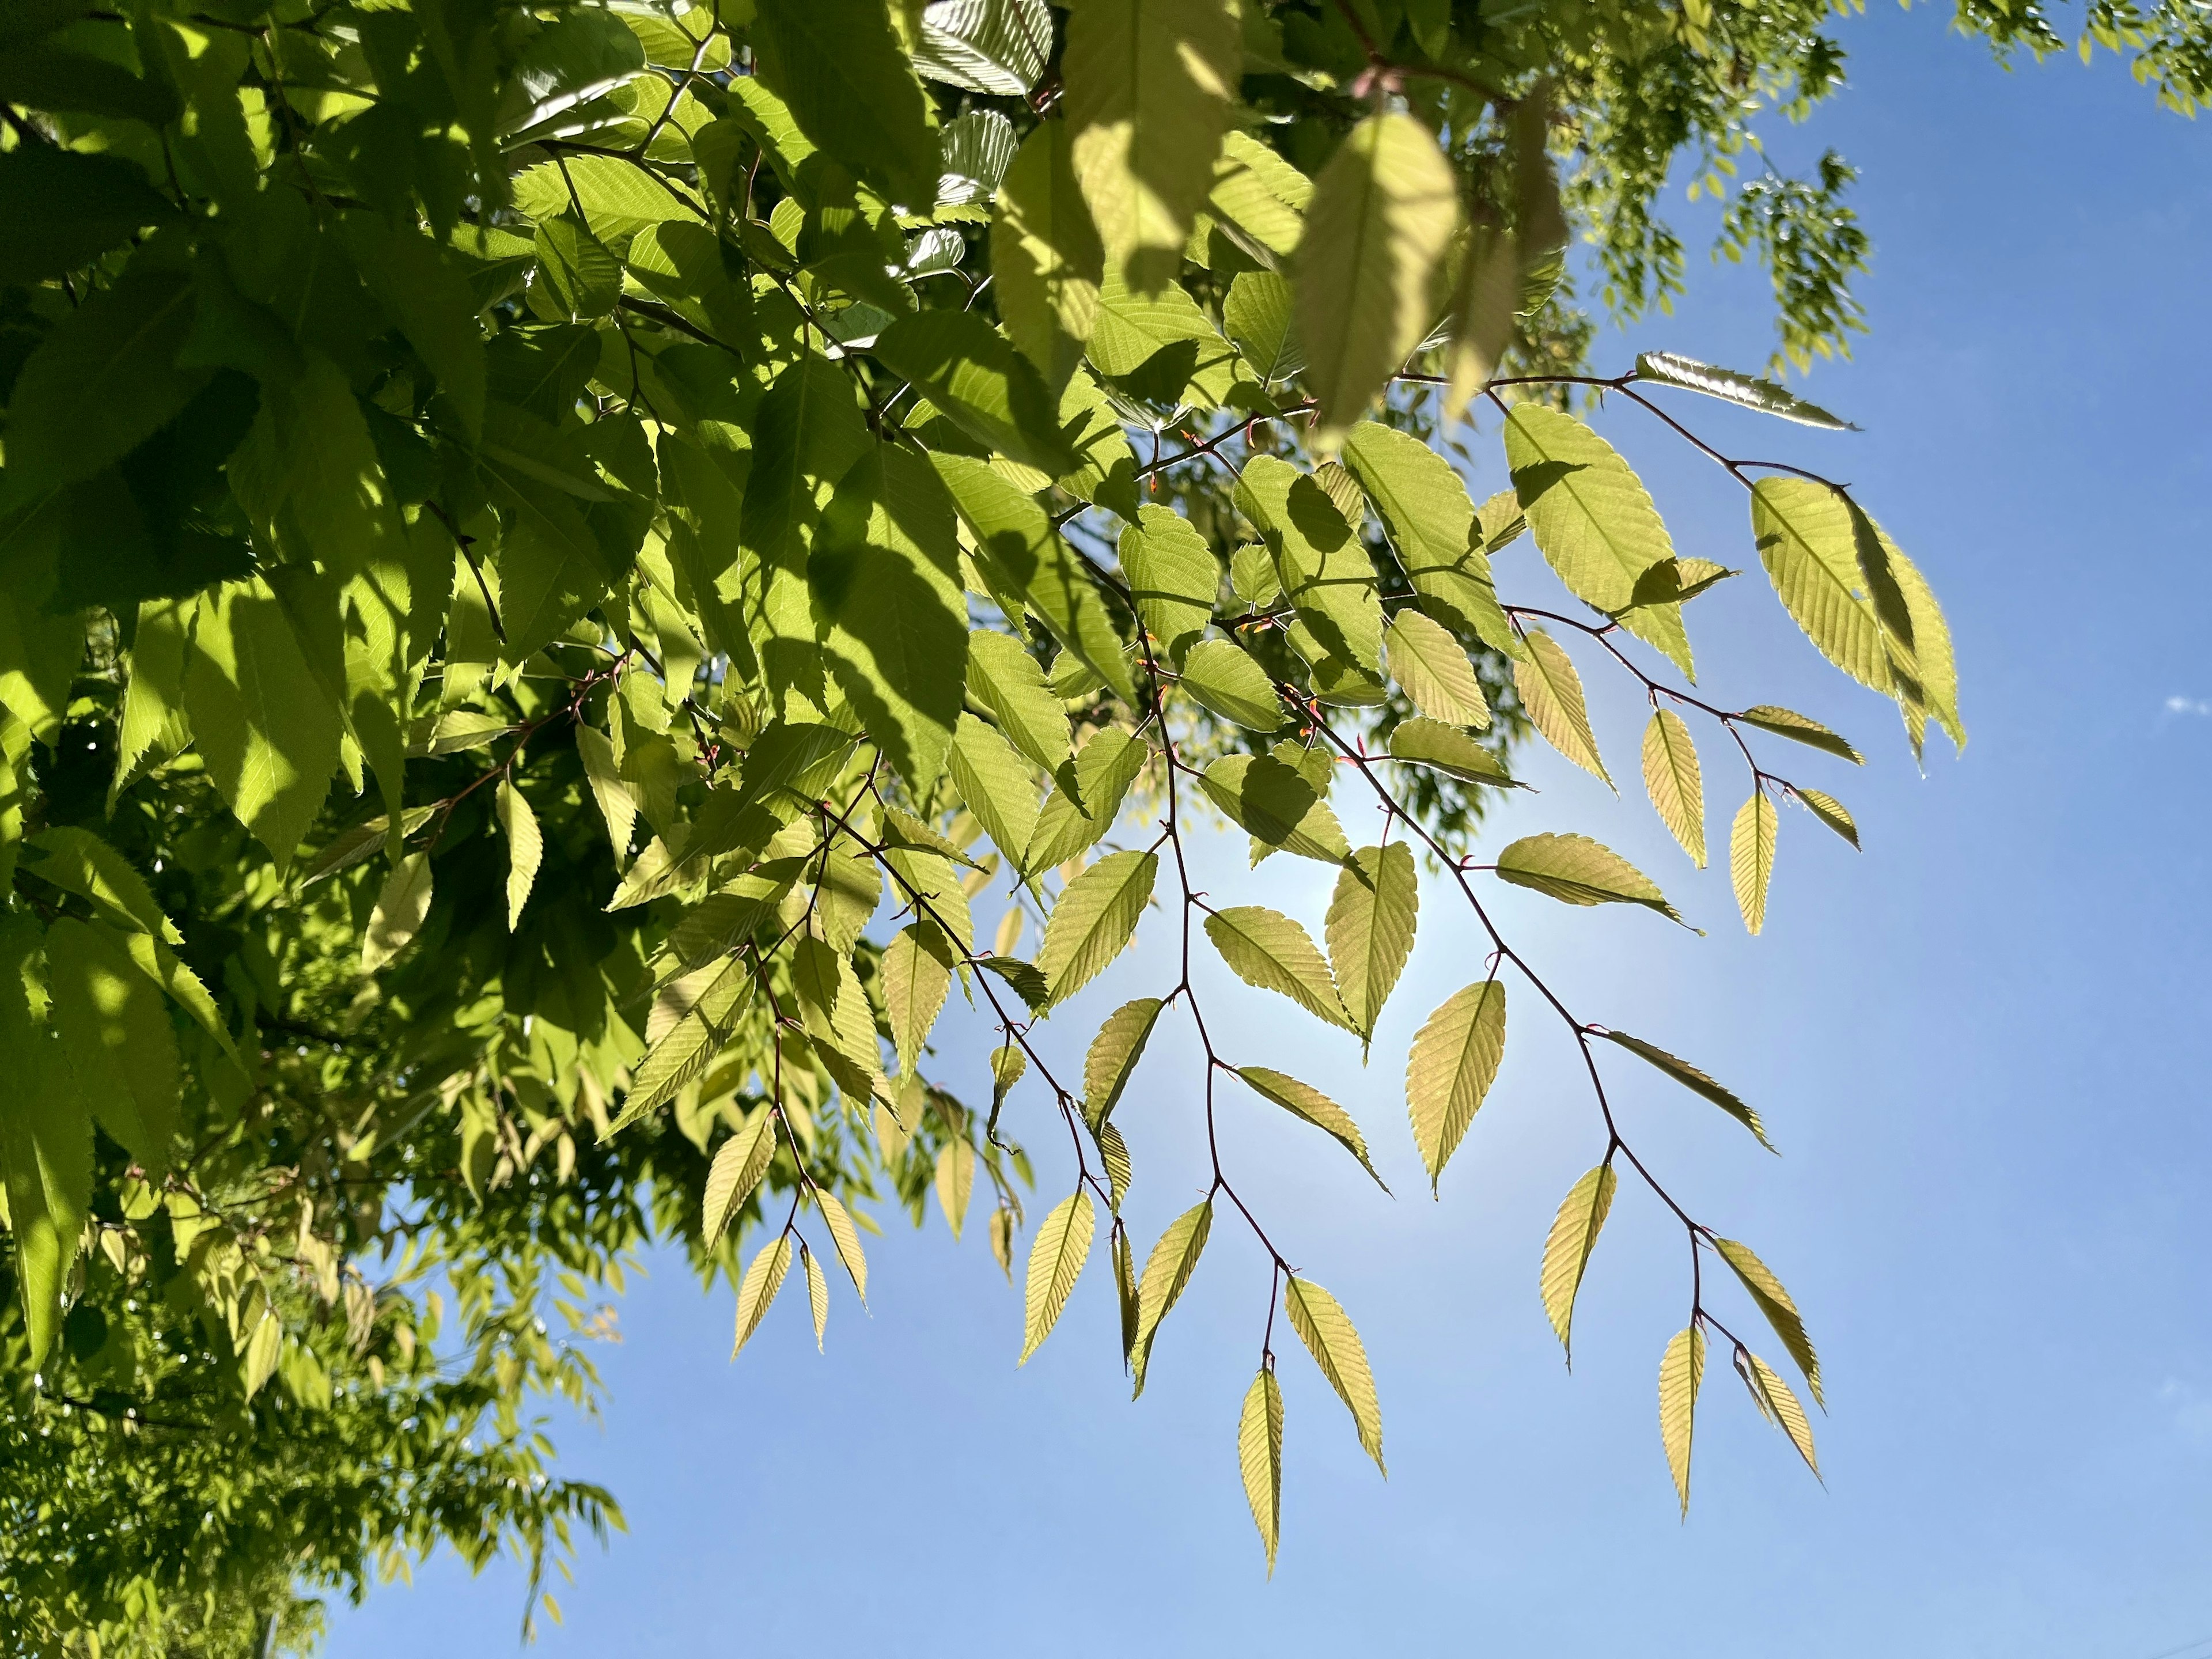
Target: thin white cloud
{"x":2200,"y":706}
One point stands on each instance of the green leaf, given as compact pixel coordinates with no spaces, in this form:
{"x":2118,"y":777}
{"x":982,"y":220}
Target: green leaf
{"x":45,"y":1144}
{"x":1277,"y":805}
{"x":917,"y":975}
{"x":1807,"y":540}
{"x":762,"y":1279}
{"x":1594,"y":521}
{"x":1695,"y":1080}
{"x":1056,"y":1259}
{"x":1302,"y":1100}
{"x":1266,"y":948}
{"x":1114,"y":1051}
{"x":1371,"y":917}
{"x":1094,"y":919}
{"x":1830,"y":811}
{"x":1777,"y":1400}
{"x":1673,"y":781}
{"x":1567,"y":1250}
{"x":1007,"y":681}
{"x":1260,"y":198}
{"x":1257,"y":314}
{"x":1221,"y":676}
{"x":974,"y":374}
{"x":1125,"y":1288}
{"x":1751,"y":857}
{"x":1114,"y":1153}
{"x":994,"y":783}
{"x":1433,"y":529}
{"x":997,"y":47}
{"x":1937,"y":670}
{"x":1323,"y":567}
{"x":1167,"y":1271}
{"x":1450,"y":1068}
{"x":1173,"y":575}
{"x":741,"y":1162}
{"x":402,"y":905}
{"x":837,"y":63}
{"x":1259,"y":1457}
{"x":1781,"y":1312}
{"x":955,"y":1183}
{"x":1435,"y":672}
{"x":1327,"y":1333}
{"x":1046,"y":257}
{"x":1681,"y":1369}
{"x":1576,"y":870}
{"x":525,"y":846}
{"x":1421,"y":742}
{"x":427,"y":292}
{"x":1799,"y":728}
{"x":845,"y":1237}
{"x":1551,"y":693}
{"x":65,"y":208}
{"x":1149,"y":85}
{"x":1748,"y":390}
{"x":1384,"y":210}
{"x":1008,"y":1063}
{"x":688,"y":1047}
{"x":80,"y":862}
{"x":1105,"y":767}
{"x":818,"y":1293}
{"x":115,"y":1032}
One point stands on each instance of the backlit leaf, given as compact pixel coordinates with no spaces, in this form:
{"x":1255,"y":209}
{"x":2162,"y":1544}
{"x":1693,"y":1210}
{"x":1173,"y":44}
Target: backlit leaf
{"x":741,"y":1164}
{"x":1304,"y":1101}
{"x":917,"y":973}
{"x":1673,"y":781}
{"x":1781,"y":1312}
{"x":757,"y":1290}
{"x":1221,"y":676}
{"x":1552,"y":691}
{"x":1277,"y":805}
{"x":1007,"y":681}
{"x":1327,"y":1333}
{"x":1173,"y":575}
{"x":1748,"y":390}
{"x":1167,"y":1271}
{"x":525,"y":846}
{"x":1567,"y":1250}
{"x":1114,"y":1055}
{"x":1830,"y":811}
{"x":1056,"y":1259}
{"x":1576,"y":870}
{"x":1695,"y":1080}
{"x":1777,"y":1399}
{"x":956,"y":1181}
{"x":401,"y":905}
{"x":1808,"y":541}
{"x":837,"y":65}
{"x":1434,"y":670}
{"x":1681,"y":1369}
{"x":1266,"y":948}
{"x":817,"y":1294}
{"x":1094,"y":919}
{"x":1371,"y":917}
{"x":1453,"y":1062}
{"x":1786,"y":723}
{"x":1259,"y":1457}
{"x":1751,"y":856}
{"x":1424,"y":742}
{"x":1046,"y":259}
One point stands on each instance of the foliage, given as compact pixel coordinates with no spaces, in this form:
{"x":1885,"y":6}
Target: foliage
{"x":554,"y":555}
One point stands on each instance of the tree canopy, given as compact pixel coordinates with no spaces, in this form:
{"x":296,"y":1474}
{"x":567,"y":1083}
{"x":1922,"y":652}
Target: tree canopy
{"x":572,"y":571}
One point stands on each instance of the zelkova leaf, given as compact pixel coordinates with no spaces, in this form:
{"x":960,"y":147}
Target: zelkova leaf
{"x":1594,"y":521}
{"x":401,"y":905}
{"x":955,"y":1183}
{"x":1681,"y":1369}
{"x":1302,"y":1100}
{"x":757,"y":1290}
{"x":1277,"y":805}
{"x":1056,"y":1258}
{"x":1114,"y":1153}
{"x":1149,"y":85}
{"x":996,"y":46}
{"x":1046,"y":259}
{"x":817,"y":1294}
{"x":1371,"y":917}
{"x":1433,"y":669}
{"x":1259,"y":1457}
{"x":837,"y":65}
{"x":1777,"y":1401}
{"x":974,"y":374}
{"x":1114,"y":1055}
{"x":1830,"y":811}
{"x":1173,"y":575}
{"x":114,"y":1033}
{"x":1937,"y":664}
{"x":1781,"y":1312}
{"x":1167,"y":1271}
{"x":1807,"y":540}
{"x":1266,"y":948}
{"x":685,"y":1051}
{"x":741,"y":1164}
{"x":1329,"y":1334}
{"x":1567,"y":1250}
{"x":1220,"y":675}
{"x":1694,"y":1080}
{"x":1800,"y":728}
{"x":995,"y":782}
{"x":1105,"y":767}
{"x":1384,"y":211}
{"x":1576,"y":870}
{"x":525,"y":846}
{"x":1094,"y":919}
{"x":1424,"y":742}
{"x":1727,"y":384}
{"x":917,"y":974}
{"x":1432,"y":527}
{"x":1453,"y":1062}
{"x":1008,"y":681}
{"x":1673,"y":781}
{"x":1552,"y":691}
{"x":1751,"y":856}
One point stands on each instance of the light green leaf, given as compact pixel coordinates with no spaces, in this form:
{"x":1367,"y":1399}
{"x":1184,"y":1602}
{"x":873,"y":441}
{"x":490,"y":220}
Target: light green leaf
{"x":1594,"y":521}
{"x":1695,"y":1080}
{"x":1937,"y":669}
{"x":1552,"y":692}
{"x":1172,"y":574}
{"x":955,"y":1183}
{"x":1576,"y":870}
{"x":1751,"y":856}
{"x":1266,"y":948}
{"x":1422,"y":742}
{"x":1673,"y":781}
{"x":1257,"y":314}
{"x":1105,"y":767}
{"x":1220,"y":675}
{"x":762,"y":1279}
{"x":1435,"y":672}
{"x":1327,"y":1333}
{"x":1259,"y":1457}
{"x":974,"y":374}
{"x":115,"y":1033}
{"x":1781,"y":1312}
{"x":1748,"y":390}
{"x":817,"y":1294}
{"x":1046,"y":259}
{"x":1094,"y":919}
{"x":1432,"y":527}
{"x":845,"y":1237}
{"x":917,"y":974}
{"x":1114,"y":1153}
{"x":401,"y":906}
{"x":45,"y":1144}
{"x":1260,"y":198}
{"x":1371,"y":917}
{"x":525,"y":846}
{"x":997,"y":47}
{"x":80,"y":862}
{"x":993,"y":781}
{"x":1167,"y":1271}
{"x":1777,"y":1400}
{"x":741,"y":1164}
{"x":1807,"y":540}
{"x":1799,"y":728}
{"x":1384,"y":210}
{"x":1681,"y":1369}
{"x":1149,"y":85}
{"x":1450,"y":1068}
{"x":1567,"y":1250}
{"x":685,"y":1052}
{"x":838,"y":66}
{"x":1056,"y":1259}
{"x":1302,"y":1100}
{"x":1277,"y":805}
{"x":1830,"y":811}
{"x":1114,"y":1055}
{"x":1008,"y":681}
{"x":1323,"y":567}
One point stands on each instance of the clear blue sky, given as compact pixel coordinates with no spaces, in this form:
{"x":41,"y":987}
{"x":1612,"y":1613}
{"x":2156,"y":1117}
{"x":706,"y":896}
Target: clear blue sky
{"x":1982,"y":1046}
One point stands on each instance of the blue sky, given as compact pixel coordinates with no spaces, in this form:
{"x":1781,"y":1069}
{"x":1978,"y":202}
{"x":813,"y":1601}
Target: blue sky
{"x":1980,"y":1045}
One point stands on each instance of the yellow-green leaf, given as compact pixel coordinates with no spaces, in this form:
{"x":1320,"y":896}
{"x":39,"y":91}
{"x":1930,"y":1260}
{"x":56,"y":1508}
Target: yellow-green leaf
{"x":1830,"y":811}
{"x":845,"y":1237}
{"x":526,"y":847}
{"x":1694,"y":1080}
{"x":1277,"y":805}
{"x":1751,"y":856}
{"x":1173,"y":576}
{"x":1681,"y":1369}
{"x":1434,"y":670}
{"x":1787,"y":723}
{"x":1046,"y":259}
{"x":1371,"y":917}
{"x":1450,"y":1068}
{"x":1167,"y":1271}
{"x":1567,"y":1250}
{"x":956,"y":1181}
{"x":1781,"y":1312}
{"x":917,"y":973}
{"x":1327,"y":1333}
{"x":762,"y":1279}
{"x":739,"y":1164}
{"x":1576,"y":870}
{"x":1094,"y":919}
{"x":1432,"y":527}
{"x":1266,"y":948}
{"x":1302,"y":1100}
{"x":1056,"y":1259}
{"x":1007,"y":681}
{"x":1114,"y":1153}
{"x":994,"y":783}
{"x":402,"y":904}
{"x":817,"y":1294}
{"x":1673,"y":781}
{"x":1552,"y":692}
{"x":1114,"y":1055}
{"x":1424,"y":742}
{"x":1221,"y":676}
{"x":1259,"y":1457}
{"x":1807,"y":540}
{"x":1777,"y":1401}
